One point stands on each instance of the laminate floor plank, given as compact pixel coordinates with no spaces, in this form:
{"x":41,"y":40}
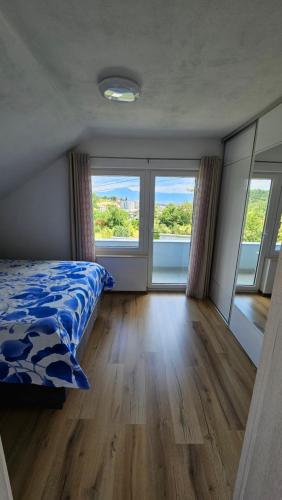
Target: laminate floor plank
{"x":164,"y":418}
{"x":226,"y":443}
{"x":224,"y":388}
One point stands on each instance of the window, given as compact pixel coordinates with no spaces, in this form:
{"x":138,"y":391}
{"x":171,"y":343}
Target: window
{"x":116,"y":207}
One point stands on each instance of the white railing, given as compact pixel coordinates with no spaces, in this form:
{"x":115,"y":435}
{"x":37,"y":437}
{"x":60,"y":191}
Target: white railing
{"x":170,"y":253}
{"x":249,"y":256}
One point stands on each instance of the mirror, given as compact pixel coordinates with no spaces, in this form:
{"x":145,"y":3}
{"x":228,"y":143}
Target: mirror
{"x":261,"y":238}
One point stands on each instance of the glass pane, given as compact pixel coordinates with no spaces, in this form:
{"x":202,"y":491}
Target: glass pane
{"x":253,"y":231}
{"x":116,"y":201}
{"x":172,"y":229}
{"x":278,"y":243}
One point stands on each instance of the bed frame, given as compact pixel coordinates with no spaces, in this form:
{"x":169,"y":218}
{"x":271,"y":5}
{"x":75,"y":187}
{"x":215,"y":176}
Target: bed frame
{"x":30,"y":395}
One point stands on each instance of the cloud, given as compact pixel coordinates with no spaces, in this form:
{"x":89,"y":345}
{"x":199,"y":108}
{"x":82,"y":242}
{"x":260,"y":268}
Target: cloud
{"x":110,"y":183}
{"x":175,"y":185}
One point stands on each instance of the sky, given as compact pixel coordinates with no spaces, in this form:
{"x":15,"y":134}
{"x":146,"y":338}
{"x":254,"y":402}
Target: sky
{"x":106,"y":184}
{"x":261,"y":184}
{"x":172,"y":185}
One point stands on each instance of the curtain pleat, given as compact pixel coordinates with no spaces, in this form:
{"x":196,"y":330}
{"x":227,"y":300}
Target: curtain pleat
{"x":82,"y":228}
{"x":204,"y":220}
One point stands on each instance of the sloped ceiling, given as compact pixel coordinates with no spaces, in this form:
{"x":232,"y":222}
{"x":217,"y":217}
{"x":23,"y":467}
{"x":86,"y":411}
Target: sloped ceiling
{"x":205,"y":67}
{"x":271,"y":155}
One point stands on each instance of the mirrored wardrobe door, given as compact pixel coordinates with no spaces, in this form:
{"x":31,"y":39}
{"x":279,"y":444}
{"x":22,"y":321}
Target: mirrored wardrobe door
{"x":233,"y":195}
{"x":260,"y":242}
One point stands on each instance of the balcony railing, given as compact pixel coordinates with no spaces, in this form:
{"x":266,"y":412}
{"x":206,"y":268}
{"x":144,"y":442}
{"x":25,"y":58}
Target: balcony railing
{"x":170,"y":249}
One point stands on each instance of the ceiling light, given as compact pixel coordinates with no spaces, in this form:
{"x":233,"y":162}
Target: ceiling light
{"x":119,"y":89}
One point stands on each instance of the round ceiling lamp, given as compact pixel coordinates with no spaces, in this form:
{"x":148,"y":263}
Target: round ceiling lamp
{"x":119,"y":89}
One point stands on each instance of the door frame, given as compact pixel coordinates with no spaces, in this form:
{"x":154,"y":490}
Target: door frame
{"x":145,"y":168}
{"x":152,"y":174}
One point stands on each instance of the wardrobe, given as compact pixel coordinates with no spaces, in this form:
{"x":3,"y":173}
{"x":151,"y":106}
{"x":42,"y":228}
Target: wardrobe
{"x":252,"y":174}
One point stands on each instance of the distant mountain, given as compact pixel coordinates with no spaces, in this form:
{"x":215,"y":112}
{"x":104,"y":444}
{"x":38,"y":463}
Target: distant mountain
{"x":121,"y":193}
{"x":162,"y":198}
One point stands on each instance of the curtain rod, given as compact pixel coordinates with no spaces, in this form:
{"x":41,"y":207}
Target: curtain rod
{"x":140,"y":158}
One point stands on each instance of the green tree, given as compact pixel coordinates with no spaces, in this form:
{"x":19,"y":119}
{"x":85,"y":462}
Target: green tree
{"x":110,"y":220}
{"x":256,"y":212}
{"x":174,"y":219}
{"x":115,"y":216}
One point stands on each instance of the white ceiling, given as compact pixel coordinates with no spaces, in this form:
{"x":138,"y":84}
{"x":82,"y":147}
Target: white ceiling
{"x":205,"y":67}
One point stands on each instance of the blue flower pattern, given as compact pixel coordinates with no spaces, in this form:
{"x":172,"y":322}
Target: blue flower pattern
{"x":44,"y":309}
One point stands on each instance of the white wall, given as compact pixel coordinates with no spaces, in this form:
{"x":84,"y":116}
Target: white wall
{"x":151,"y":147}
{"x":131,"y":272}
{"x":34,"y":219}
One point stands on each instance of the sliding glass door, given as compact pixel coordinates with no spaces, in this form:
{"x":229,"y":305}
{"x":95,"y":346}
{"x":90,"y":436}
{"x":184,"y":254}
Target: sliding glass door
{"x":172,"y":198}
{"x":144,"y":215}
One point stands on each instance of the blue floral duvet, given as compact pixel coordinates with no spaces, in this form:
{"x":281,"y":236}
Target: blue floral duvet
{"x":44,"y":309}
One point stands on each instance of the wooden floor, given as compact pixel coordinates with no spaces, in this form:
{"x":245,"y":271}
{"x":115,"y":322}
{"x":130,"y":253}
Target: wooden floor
{"x":164,"y":419}
{"x":255,"y":306}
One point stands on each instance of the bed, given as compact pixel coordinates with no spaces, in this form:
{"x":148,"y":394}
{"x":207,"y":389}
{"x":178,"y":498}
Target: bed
{"x":45,"y":307}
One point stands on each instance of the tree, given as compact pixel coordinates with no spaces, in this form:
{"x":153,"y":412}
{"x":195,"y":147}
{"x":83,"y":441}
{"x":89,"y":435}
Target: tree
{"x":110,"y":220}
{"x":256,"y":213}
{"x":115,"y":216}
{"x":175,"y":219}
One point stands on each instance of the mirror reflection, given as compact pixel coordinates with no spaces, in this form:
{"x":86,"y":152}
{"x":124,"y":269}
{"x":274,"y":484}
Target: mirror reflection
{"x":261,"y":239}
